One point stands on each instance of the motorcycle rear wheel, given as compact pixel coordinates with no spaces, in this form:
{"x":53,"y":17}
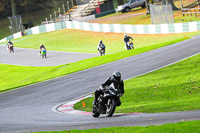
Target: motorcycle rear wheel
{"x":110,"y":108}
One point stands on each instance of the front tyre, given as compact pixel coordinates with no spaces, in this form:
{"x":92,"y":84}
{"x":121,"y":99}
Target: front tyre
{"x":110,"y":108}
{"x":95,"y":112}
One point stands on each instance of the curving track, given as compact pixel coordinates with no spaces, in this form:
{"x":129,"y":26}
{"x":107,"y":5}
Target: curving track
{"x":30,"y":57}
{"x":30,"y":108}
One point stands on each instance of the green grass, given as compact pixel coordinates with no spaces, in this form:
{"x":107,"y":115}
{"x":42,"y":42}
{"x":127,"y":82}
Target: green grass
{"x":23,"y":75}
{"x":180,"y":127}
{"x":174,"y":88}
{"x":85,"y":41}
{"x":38,"y":16}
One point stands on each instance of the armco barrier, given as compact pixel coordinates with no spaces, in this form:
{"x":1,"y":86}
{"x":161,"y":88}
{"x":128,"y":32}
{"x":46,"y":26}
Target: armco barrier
{"x":115,"y":28}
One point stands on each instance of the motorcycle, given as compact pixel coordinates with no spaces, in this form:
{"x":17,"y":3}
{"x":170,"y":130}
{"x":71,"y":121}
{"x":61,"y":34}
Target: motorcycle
{"x":43,"y":53}
{"x":11,"y":48}
{"x":101,"y":51}
{"x":129,"y":45}
{"x":106,"y":102}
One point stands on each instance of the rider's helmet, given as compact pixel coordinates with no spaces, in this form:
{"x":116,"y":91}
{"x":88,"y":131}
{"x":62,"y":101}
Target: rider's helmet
{"x":100,"y":41}
{"x":41,"y":44}
{"x":125,"y":35}
{"x":116,"y":76}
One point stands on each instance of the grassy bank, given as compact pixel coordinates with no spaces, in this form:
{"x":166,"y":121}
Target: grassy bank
{"x":174,"y":88}
{"x":180,"y":127}
{"x":85,"y":41}
{"x":24,"y":75}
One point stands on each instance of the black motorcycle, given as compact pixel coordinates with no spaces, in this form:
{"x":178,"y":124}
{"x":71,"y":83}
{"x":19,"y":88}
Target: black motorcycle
{"x":106,"y":102}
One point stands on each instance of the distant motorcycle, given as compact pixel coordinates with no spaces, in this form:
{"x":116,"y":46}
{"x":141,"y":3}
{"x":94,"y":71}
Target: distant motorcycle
{"x":101,"y":51}
{"x":129,"y":45}
{"x":106,"y":102}
{"x":43,"y":53}
{"x":11,"y":48}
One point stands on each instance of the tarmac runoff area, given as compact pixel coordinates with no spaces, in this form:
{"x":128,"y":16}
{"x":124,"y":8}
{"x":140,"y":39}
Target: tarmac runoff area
{"x":30,"y":57}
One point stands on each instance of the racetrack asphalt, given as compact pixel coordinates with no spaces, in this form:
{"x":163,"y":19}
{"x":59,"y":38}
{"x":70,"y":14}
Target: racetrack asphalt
{"x":30,"y":57}
{"x":29,"y":108}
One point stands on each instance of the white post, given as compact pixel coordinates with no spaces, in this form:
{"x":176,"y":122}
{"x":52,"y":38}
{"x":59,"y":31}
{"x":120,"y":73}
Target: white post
{"x":55,"y":15}
{"x":63,"y":8}
{"x":46,"y":20}
{"x":67,"y":6}
{"x":50,"y":17}
{"x":72,"y":4}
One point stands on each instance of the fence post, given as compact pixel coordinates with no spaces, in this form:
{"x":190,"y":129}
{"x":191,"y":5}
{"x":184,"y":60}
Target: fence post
{"x":67,"y":6}
{"x":59,"y":10}
{"x":55,"y":15}
{"x":50,"y":17}
{"x":46,"y":20}
{"x":72,"y":3}
{"x":64,"y":8}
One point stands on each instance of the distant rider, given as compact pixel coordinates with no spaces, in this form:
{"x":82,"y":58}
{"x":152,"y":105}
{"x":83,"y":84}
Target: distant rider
{"x":10,"y":44}
{"x":41,"y":47}
{"x":117,"y":82}
{"x":101,"y":47}
{"x":126,"y":41}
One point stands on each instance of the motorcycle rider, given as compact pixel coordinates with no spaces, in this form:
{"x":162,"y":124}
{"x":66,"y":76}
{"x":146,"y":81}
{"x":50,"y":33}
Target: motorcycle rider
{"x":116,"y":81}
{"x":101,"y":46}
{"x":41,"y":46}
{"x":126,"y":41}
{"x":10,"y":44}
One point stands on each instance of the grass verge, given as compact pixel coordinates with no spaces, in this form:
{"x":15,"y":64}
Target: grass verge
{"x":24,"y":75}
{"x":85,"y":41}
{"x":174,"y":88}
{"x":180,"y":127}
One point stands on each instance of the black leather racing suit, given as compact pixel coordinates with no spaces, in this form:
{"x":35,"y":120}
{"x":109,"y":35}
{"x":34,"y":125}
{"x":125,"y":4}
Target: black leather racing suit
{"x":126,"y":39}
{"x":118,"y":85}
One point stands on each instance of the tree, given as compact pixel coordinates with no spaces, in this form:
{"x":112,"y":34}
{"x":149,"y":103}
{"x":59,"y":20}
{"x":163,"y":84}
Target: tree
{"x":14,"y":10}
{"x":147,"y":2}
{"x":120,"y":2}
{"x":171,"y":2}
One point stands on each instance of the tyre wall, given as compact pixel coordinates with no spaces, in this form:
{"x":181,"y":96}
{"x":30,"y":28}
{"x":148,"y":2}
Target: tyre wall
{"x":114,"y":28}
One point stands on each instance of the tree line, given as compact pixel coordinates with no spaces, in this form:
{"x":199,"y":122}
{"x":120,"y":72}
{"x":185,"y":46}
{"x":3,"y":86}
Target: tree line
{"x":14,"y":7}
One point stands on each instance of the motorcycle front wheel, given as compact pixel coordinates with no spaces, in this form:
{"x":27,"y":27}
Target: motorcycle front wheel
{"x":95,"y":112}
{"x":110,"y":108}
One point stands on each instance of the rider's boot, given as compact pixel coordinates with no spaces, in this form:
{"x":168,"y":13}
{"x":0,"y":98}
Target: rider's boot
{"x":95,"y":101}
